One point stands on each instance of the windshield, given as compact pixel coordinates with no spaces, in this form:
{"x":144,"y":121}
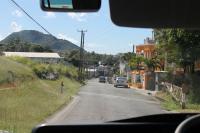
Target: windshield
{"x":63,"y":68}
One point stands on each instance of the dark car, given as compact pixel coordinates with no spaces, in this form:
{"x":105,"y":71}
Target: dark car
{"x":102,"y":79}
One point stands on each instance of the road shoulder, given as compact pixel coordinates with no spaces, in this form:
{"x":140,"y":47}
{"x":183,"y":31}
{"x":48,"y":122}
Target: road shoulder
{"x":63,"y":112}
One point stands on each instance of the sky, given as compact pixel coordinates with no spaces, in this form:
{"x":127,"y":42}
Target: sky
{"x":102,"y":35}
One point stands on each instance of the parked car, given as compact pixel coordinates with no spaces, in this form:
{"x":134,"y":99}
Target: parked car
{"x":102,"y":79}
{"x":121,"y":81}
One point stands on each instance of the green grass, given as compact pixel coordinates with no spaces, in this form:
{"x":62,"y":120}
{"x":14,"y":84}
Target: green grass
{"x":168,"y":103}
{"x":30,"y":103}
{"x":32,"y":100}
{"x":11,"y":70}
{"x":41,"y":68}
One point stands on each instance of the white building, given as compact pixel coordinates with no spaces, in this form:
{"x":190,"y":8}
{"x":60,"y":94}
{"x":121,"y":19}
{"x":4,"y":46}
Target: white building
{"x":41,"y":57}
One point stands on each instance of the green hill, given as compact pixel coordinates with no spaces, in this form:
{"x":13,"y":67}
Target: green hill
{"x":31,"y":100}
{"x":45,"y":40}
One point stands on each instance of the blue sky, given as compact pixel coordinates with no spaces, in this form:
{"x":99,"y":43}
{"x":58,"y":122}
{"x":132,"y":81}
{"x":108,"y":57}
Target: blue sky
{"x":102,"y":36}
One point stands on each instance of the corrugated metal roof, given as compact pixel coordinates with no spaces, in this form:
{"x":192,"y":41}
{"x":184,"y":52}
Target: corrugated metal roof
{"x":33,"y":54}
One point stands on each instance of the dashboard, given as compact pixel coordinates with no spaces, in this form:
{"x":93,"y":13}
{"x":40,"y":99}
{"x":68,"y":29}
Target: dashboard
{"x":163,"y":123}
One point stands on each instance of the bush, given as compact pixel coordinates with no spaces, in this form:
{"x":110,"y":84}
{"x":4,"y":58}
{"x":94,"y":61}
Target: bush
{"x":40,"y":70}
{"x":194,"y":93}
{"x":177,"y":79}
{"x":192,"y":81}
{"x":44,"y":70}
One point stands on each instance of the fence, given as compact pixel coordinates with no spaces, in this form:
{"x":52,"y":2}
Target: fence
{"x":177,"y":93}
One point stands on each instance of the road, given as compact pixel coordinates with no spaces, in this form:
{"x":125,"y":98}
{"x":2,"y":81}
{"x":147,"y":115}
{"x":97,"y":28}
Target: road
{"x":99,"y":102}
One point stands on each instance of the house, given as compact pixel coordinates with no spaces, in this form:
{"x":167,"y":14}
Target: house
{"x":147,"y":49}
{"x":36,"y":56}
{"x":141,"y":78}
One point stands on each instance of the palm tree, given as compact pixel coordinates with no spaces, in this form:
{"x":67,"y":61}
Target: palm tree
{"x":152,"y":64}
{"x":136,"y":62}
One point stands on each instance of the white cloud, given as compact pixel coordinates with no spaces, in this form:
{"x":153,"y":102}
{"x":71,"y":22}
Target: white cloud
{"x":65,"y":37}
{"x":15,"y":27}
{"x":17,"y":13}
{"x":78,"y":16}
{"x":50,"y":15}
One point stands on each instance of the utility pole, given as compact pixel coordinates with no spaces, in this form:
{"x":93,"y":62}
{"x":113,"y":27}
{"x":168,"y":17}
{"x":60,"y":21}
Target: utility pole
{"x":81,"y":61}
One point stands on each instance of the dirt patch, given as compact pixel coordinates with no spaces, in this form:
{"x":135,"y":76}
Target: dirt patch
{"x":7,"y":86}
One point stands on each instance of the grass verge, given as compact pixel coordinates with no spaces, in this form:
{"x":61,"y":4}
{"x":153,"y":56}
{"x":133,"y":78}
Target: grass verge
{"x":30,"y":103}
{"x":26,"y":100}
{"x":168,"y":103}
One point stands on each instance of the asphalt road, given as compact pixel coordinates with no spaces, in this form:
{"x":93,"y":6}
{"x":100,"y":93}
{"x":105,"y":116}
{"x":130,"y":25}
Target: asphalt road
{"x":99,"y":102}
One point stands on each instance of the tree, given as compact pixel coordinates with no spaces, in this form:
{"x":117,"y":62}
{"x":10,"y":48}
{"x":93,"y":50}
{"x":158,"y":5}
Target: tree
{"x":188,"y":43}
{"x":152,"y":63}
{"x":128,"y":56}
{"x":73,"y":57}
{"x":182,"y":46}
{"x":17,"y":45}
{"x":136,"y":62}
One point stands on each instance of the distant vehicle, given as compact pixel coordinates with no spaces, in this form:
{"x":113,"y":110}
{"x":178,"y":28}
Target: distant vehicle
{"x":121,"y":82}
{"x":102,"y":79}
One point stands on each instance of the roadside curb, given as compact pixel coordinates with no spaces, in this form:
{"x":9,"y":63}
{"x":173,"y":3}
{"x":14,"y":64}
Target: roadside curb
{"x":63,"y":112}
{"x":160,"y":99}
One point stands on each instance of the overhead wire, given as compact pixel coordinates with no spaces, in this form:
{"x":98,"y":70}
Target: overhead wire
{"x":27,"y":14}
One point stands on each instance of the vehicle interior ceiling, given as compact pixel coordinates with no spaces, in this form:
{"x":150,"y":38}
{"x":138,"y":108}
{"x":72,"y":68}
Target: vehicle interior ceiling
{"x":156,"y":13}
{"x":145,"y":14}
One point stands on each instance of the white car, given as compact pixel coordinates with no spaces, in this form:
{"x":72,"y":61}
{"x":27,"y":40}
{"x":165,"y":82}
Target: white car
{"x":121,"y":82}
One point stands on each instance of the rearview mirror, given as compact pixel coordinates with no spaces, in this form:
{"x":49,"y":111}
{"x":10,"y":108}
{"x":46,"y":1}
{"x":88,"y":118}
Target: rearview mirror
{"x":70,"y":5}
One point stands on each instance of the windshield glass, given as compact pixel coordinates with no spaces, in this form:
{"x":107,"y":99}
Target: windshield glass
{"x":62,"y":68}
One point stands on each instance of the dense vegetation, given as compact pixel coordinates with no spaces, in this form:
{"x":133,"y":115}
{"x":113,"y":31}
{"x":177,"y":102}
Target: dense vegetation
{"x":43,"y":70}
{"x":91,"y":58}
{"x":141,"y":63}
{"x":180,"y":47}
{"x":18,"y":45}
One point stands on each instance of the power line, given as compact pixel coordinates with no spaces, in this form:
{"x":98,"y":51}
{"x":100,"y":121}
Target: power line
{"x":23,"y":10}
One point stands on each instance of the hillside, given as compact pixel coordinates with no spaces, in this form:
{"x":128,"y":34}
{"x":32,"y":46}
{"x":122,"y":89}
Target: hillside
{"x":12,"y":71}
{"x":29,"y":100}
{"x":36,"y":37}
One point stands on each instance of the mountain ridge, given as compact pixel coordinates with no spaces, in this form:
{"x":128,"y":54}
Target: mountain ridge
{"x":39,"y":38}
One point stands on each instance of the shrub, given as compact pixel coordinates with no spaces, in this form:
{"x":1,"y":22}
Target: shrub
{"x":194,"y":89}
{"x":43,"y":70}
{"x":40,"y":70}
